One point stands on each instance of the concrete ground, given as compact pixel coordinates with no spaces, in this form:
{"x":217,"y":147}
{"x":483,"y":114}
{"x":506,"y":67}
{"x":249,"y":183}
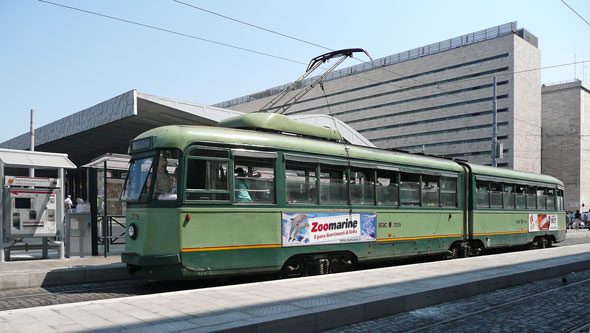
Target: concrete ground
{"x":304,"y":304}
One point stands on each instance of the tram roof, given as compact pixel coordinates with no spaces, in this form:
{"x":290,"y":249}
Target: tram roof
{"x":181,"y":136}
{"x":500,"y":173}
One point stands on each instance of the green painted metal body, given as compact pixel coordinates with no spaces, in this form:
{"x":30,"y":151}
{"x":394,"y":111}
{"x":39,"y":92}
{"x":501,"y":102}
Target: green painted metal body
{"x":225,"y":239}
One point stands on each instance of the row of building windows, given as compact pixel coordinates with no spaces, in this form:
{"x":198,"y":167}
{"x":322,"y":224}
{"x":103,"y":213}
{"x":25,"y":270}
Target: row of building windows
{"x":453,"y":130}
{"x":450,"y":143}
{"x":414,"y":76}
{"x":475,"y":153}
{"x":492,"y":194}
{"x":431,"y":108}
{"x":313,"y":183}
{"x":429,"y":121}
{"x":446,"y":93}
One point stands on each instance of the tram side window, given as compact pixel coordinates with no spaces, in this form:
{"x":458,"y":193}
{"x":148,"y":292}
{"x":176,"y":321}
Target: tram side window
{"x":333,"y":184}
{"x":448,"y":191}
{"x":167,"y":175}
{"x":496,"y":194}
{"x":387,"y":188}
{"x":551,"y":198}
{"x":531,"y":197}
{"x":520,"y":197}
{"x":430,"y":191}
{"x":483,"y":194}
{"x":560,"y":199}
{"x":254,"y":180}
{"x":541,"y":198}
{"x":410,"y":189}
{"x":301,"y":183}
{"x":206,"y":175}
{"x":362,"y":186}
{"x":508,"y":196}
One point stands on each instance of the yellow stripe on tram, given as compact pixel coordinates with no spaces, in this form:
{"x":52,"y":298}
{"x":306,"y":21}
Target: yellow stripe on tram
{"x":419,"y":237}
{"x":237,"y":247}
{"x":500,"y":233}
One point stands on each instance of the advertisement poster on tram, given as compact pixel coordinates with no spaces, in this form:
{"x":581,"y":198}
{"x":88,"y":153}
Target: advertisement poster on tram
{"x":542,"y":222}
{"x":301,"y":229}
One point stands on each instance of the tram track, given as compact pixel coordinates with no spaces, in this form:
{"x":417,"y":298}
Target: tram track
{"x":517,"y":300}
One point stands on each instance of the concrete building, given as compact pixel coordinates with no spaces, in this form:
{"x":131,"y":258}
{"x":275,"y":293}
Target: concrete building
{"x":566,"y":139}
{"x":438,"y":98}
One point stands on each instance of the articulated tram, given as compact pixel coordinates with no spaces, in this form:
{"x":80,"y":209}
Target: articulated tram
{"x":262,"y":193}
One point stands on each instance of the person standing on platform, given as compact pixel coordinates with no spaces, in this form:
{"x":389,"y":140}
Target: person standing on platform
{"x":68,"y":204}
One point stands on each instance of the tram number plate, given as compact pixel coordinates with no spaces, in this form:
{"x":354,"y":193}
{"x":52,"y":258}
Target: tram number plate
{"x":389,"y":225}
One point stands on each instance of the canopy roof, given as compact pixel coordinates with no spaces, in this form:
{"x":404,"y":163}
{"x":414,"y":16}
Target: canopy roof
{"x":34,"y":159}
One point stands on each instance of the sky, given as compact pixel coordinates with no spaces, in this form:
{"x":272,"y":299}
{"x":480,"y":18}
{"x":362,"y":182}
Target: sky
{"x":59,"y":61}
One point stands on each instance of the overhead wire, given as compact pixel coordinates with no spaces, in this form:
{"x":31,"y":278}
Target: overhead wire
{"x":573,"y":10}
{"x":173,"y":32}
{"x":284,"y":58}
{"x":400,"y":76}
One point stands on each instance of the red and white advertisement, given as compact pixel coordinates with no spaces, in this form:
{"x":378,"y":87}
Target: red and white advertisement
{"x":542,"y":222}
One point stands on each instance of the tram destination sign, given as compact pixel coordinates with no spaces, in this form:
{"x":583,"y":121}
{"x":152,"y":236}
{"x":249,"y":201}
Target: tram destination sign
{"x":301,"y":228}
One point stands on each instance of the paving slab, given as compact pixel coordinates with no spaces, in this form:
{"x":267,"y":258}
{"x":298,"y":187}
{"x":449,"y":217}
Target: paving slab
{"x":51,"y":272}
{"x":306,"y":304}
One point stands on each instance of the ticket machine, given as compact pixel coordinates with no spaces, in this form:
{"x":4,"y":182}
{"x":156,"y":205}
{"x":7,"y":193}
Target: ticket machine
{"x":32,"y":207}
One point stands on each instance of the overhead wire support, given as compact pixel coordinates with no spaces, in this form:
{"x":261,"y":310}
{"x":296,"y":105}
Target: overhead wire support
{"x":313,"y":65}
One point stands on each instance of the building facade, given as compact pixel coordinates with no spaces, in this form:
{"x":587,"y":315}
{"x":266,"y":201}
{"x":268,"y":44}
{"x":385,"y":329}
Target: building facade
{"x":566,"y":139}
{"x":438,"y":99}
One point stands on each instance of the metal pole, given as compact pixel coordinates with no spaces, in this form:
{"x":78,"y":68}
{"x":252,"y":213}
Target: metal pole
{"x":104,"y":218}
{"x":2,"y":221}
{"x":61,"y":212}
{"x":32,"y":148}
{"x":494,"y":128}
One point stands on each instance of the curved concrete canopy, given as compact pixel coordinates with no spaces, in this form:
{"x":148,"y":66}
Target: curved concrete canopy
{"x":109,"y":126}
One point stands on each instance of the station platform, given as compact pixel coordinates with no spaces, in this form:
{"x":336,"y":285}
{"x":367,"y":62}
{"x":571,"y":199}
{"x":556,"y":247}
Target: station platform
{"x":304,"y":304}
{"x":33,"y":273}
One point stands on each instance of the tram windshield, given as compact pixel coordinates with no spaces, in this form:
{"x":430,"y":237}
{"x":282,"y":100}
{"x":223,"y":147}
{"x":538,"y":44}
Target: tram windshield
{"x":137,"y":185}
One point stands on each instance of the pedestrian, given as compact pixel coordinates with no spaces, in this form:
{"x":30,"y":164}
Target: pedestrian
{"x":68,"y":204}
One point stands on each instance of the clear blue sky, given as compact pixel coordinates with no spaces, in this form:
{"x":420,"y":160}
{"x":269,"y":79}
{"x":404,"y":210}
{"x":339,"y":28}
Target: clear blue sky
{"x":58,"y":61}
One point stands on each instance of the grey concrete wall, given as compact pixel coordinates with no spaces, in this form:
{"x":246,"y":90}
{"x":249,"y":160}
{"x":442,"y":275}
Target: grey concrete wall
{"x":562,"y":132}
{"x":410,"y":94}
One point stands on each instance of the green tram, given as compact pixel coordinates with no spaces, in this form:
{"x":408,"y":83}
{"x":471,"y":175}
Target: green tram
{"x":262,"y":193}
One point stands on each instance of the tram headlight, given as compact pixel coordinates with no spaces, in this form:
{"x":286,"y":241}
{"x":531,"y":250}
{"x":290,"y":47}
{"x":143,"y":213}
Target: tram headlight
{"x":132,"y":231}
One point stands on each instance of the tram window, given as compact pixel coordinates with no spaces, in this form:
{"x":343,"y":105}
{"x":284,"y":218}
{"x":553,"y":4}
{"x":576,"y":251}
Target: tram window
{"x":137,"y":184}
{"x":207,"y":180}
{"x":430,"y":191}
{"x":560,"y":199}
{"x":551,"y":198}
{"x":387,"y":188}
{"x":333,"y":184}
{"x":301,"y":183}
{"x":496,"y":195}
{"x":520,"y":197}
{"x":541,"y":198}
{"x":362,"y":186}
{"x":448,"y":191}
{"x":209,"y":153}
{"x":254,"y":180}
{"x":531,"y":197}
{"x":508,"y":196}
{"x":167,"y":175}
{"x":483,"y":194}
{"x":410,"y":189}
